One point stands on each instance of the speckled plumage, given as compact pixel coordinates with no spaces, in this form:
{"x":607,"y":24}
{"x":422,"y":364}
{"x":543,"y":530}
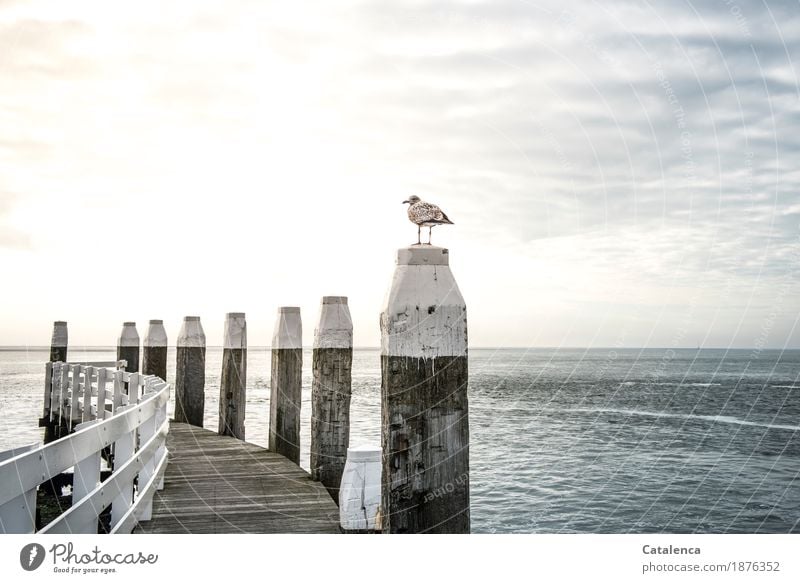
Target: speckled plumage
{"x":425,"y":214}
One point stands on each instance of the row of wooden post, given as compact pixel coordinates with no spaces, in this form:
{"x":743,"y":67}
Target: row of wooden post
{"x":332,"y":357}
{"x":424,"y":371}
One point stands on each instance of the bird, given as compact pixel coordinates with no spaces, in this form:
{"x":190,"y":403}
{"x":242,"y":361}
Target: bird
{"x":425,"y":214}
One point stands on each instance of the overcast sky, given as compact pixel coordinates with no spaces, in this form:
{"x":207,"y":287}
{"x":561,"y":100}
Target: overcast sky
{"x":619,"y":173}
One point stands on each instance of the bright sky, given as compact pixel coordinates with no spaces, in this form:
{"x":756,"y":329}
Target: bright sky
{"x":619,"y":173}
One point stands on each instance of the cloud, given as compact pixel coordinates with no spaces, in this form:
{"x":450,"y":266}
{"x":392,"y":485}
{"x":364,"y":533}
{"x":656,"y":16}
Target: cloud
{"x":653,"y":140}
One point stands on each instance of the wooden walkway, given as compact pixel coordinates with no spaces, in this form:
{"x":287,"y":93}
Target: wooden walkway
{"x":217,"y":484}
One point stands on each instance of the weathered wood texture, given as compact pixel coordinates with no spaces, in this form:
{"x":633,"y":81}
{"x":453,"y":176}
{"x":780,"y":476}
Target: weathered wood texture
{"x":330,"y":415}
{"x":128,"y":346}
{"x":232,"y":393}
{"x":190,"y":373}
{"x":58,"y":343}
{"x":154,"y":354}
{"x":190,"y":383}
{"x":286,"y":390}
{"x":218,"y":484}
{"x":425,"y":432}
{"x":233,"y":382}
{"x":424,"y":412}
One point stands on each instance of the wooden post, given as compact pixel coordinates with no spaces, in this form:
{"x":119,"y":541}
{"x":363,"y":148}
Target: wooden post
{"x":425,"y":424}
{"x":190,"y":373}
{"x":233,"y":384}
{"x":286,"y":384}
{"x":58,"y":353}
{"x":155,"y":350}
{"x":330,"y":393}
{"x":128,"y":346}
{"x":58,"y":344}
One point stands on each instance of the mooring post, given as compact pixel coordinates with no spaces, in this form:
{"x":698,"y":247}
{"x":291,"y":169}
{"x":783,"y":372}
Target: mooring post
{"x":58,"y":353}
{"x":330,"y":393}
{"x":286,"y":384}
{"x":425,"y":425}
{"x":155,"y":350}
{"x":233,"y":384}
{"x":58,"y":344}
{"x":128,"y":346}
{"x":190,"y":373}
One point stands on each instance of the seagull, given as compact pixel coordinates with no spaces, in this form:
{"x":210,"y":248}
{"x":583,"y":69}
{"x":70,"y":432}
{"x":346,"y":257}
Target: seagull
{"x":425,"y":214}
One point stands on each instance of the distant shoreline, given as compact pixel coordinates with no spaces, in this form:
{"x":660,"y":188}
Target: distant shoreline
{"x":11,"y":348}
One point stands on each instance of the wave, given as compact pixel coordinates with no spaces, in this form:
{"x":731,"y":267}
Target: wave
{"x":711,"y":418}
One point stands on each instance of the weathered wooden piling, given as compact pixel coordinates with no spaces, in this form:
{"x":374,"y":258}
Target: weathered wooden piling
{"x":286,"y":384}
{"x":58,"y":344}
{"x":128,"y":346}
{"x":190,"y":373}
{"x":58,"y":353}
{"x":425,"y":425}
{"x":155,"y":350}
{"x":330,"y":393}
{"x":233,"y":384}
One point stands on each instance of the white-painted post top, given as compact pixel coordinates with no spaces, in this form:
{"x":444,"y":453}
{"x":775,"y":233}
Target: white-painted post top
{"x":60,"y":335}
{"x":423,"y":255}
{"x":156,"y":334}
{"x":288,"y":331}
{"x":191,"y":334}
{"x":364,"y":453}
{"x":335,"y":327}
{"x":424,"y":314}
{"x":129,"y":336}
{"x":235,"y":331}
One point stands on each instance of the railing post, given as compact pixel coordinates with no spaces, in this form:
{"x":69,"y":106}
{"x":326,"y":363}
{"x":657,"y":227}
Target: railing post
{"x":155,"y":350}
{"x":330,"y":393}
{"x":118,"y":386}
{"x":87,"y":394}
{"x":146,"y":431}
{"x":286,"y":384}
{"x":233,"y":383}
{"x":161,"y":417}
{"x":425,"y":424}
{"x":75,"y":396}
{"x":124,"y":449}
{"x":101,"y":393}
{"x":63,"y":393}
{"x":86,"y":477}
{"x":128,"y":346}
{"x":190,"y":373}
{"x":18,"y":516}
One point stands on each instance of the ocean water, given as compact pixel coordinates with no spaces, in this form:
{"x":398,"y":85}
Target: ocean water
{"x":566,"y":440}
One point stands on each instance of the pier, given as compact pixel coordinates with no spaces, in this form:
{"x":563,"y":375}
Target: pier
{"x":112,"y":462}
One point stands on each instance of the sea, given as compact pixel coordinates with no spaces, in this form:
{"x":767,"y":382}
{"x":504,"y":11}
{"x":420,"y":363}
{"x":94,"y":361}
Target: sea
{"x":598,"y":440}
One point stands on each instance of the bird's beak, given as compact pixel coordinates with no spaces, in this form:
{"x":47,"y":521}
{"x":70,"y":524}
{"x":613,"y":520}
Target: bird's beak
{"x":406,"y":202}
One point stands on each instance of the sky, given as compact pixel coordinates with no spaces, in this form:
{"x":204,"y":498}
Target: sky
{"x":619,"y":173}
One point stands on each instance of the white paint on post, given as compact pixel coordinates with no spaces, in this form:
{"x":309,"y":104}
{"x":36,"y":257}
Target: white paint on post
{"x":360,"y":492}
{"x":335,"y":327}
{"x":288,"y":332}
{"x":424,"y":313}
{"x":128,"y":336}
{"x":192,"y":334}
{"x":156,"y":334}
{"x":235,"y":335}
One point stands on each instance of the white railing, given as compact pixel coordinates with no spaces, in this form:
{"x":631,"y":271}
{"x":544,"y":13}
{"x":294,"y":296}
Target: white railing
{"x":113,"y":410}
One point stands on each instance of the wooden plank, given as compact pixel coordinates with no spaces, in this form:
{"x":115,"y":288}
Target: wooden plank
{"x":218,"y":484}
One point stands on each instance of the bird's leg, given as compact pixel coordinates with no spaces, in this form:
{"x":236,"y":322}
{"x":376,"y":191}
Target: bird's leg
{"x":419,"y":234}
{"x":430,"y":232}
